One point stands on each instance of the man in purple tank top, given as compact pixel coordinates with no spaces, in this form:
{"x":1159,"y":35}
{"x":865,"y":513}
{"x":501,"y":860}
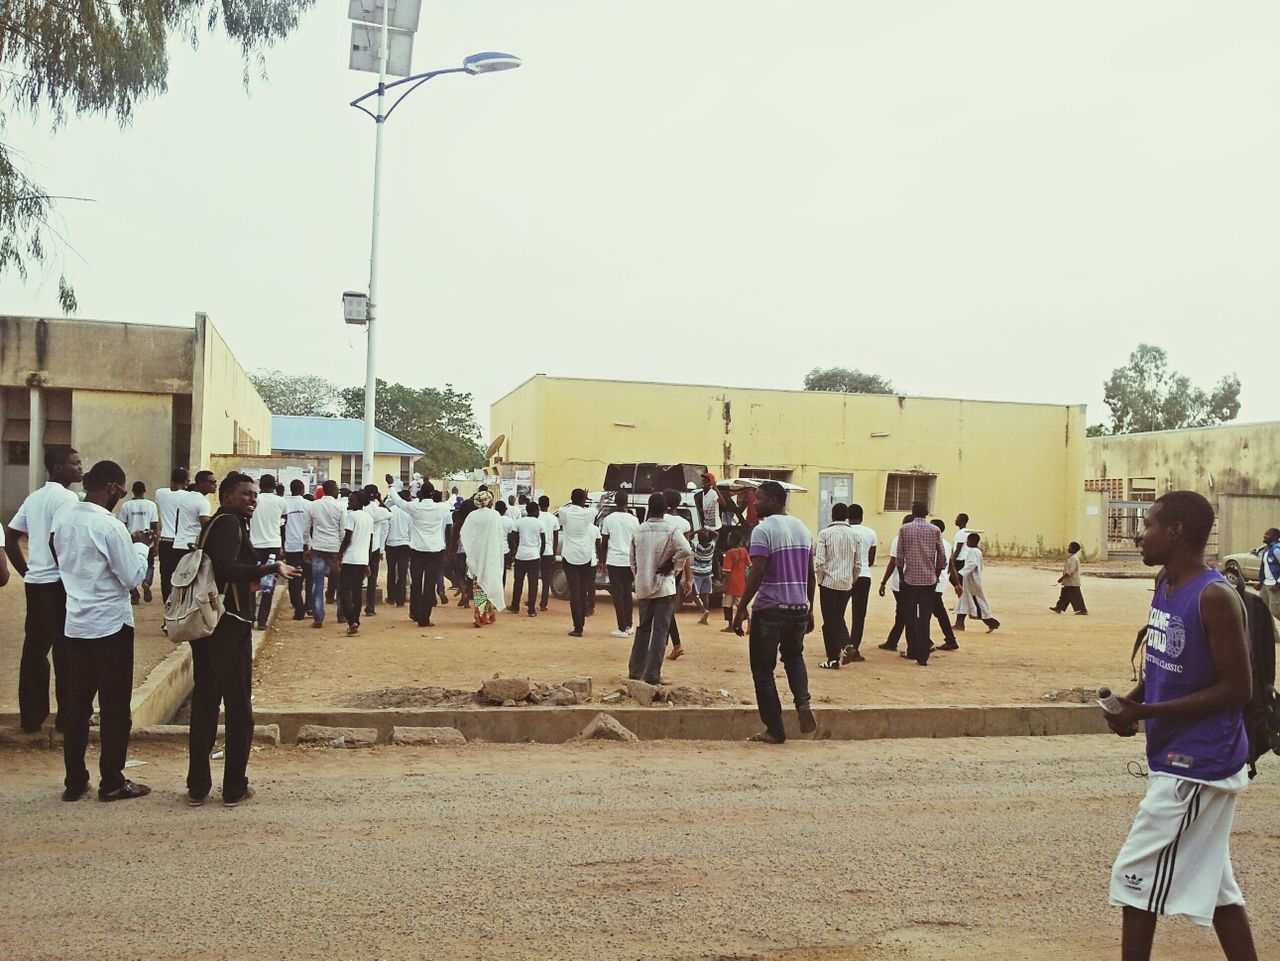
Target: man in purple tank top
{"x":1194,"y":685}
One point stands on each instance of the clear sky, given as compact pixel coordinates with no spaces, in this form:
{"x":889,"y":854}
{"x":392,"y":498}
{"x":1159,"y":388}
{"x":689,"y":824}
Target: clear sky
{"x":995,"y":199}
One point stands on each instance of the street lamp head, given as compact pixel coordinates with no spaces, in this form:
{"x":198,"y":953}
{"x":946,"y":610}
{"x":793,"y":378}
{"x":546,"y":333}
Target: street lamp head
{"x":490,"y":62}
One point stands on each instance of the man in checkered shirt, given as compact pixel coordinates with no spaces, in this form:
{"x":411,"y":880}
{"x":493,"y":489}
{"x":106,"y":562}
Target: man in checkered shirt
{"x":921,"y":560}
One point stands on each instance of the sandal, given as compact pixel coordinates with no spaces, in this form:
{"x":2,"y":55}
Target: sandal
{"x":764,"y":737}
{"x":676,"y":652}
{"x":830,"y":665}
{"x":125,"y":792}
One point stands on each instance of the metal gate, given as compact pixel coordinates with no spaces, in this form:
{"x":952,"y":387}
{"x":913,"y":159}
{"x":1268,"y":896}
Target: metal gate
{"x":832,"y":489}
{"x":1124,"y":523}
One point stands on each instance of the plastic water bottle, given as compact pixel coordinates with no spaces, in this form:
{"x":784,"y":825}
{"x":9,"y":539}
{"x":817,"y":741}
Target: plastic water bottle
{"x":1107,"y":701}
{"x":267,"y":583}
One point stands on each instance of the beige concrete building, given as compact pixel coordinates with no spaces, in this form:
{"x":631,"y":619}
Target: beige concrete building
{"x":150,"y":397}
{"x":335,"y":445}
{"x":1236,"y":466}
{"x":1016,"y":469}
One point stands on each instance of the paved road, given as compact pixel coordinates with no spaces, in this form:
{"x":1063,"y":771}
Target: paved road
{"x":966,"y":849}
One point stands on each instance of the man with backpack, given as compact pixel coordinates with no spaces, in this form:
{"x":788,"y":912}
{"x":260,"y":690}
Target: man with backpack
{"x":222,"y":663}
{"x":1195,"y":684}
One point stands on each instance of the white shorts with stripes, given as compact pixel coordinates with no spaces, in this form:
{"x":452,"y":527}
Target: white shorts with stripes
{"x":1177,"y":859}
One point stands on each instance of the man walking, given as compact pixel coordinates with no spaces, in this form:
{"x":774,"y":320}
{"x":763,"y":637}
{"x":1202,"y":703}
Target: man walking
{"x":140,"y":514}
{"x":397,"y":552}
{"x":892,"y":577}
{"x":1070,"y":582}
{"x":782,"y":584}
{"x":327,"y":517}
{"x":921,"y":560}
{"x":577,"y":521}
{"x":1268,"y":571}
{"x":167,"y":501}
{"x":45,"y":595}
{"x":264,"y":535}
{"x":656,"y":550}
{"x":1196,"y":683}
{"x":530,"y":543}
{"x":353,"y":560}
{"x":100,"y":562}
{"x":297,"y":544}
{"x":956,"y":564}
{"x":616,"y":533}
{"x":550,"y":527}
{"x":862,"y":583}
{"x":939,"y":609}
{"x":836,"y":568}
{"x":428,"y":519}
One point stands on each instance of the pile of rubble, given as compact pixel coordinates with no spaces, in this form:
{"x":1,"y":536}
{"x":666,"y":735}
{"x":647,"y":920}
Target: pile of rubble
{"x":510,"y":691}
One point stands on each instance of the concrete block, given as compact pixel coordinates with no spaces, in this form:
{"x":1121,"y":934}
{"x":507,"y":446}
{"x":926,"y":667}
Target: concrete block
{"x":500,"y":689}
{"x":350,"y":737}
{"x":413,"y":736}
{"x":604,"y":728}
{"x":642,"y":693}
{"x":581,"y":687}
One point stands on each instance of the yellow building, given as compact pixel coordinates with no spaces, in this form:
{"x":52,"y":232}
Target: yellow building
{"x":1236,"y":466}
{"x":149,"y":397}
{"x":336,"y":446}
{"x":1016,"y":469}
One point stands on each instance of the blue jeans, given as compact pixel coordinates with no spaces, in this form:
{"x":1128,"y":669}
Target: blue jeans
{"x":774,"y":632}
{"x":650,"y":644}
{"x":322,"y":562}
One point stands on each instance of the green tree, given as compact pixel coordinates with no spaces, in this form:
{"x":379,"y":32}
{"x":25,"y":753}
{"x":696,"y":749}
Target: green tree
{"x":438,"y":421}
{"x":845,"y":380}
{"x":297,"y":394}
{"x":65,"y":58}
{"x":1146,"y":395}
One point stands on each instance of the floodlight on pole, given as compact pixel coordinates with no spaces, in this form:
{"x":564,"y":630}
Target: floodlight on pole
{"x":391,"y":52}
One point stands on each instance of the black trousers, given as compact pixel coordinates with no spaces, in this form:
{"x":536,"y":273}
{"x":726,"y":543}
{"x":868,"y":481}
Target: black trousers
{"x":917,"y":606}
{"x":101,"y":666}
{"x":548,"y":568}
{"x":673,"y":632}
{"x":899,"y":623}
{"x":266,"y":597}
{"x":861,"y":593}
{"x":777,"y":633}
{"x":622,"y":584}
{"x":526,"y":570}
{"x":581,"y":579}
{"x":168,"y":561}
{"x":222,"y":673}
{"x":835,"y":633}
{"x":939,"y":611}
{"x":375,"y":564}
{"x":424,"y":571}
{"x":398,"y":575}
{"x":351,"y":593}
{"x":1074,"y":597}
{"x":46,"y":617}
{"x":299,"y":587}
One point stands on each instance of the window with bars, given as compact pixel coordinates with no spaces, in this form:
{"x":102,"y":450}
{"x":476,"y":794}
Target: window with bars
{"x":352,"y":471}
{"x":1113,"y":487}
{"x":1142,"y":489}
{"x":903,"y":490}
{"x":769,"y":473}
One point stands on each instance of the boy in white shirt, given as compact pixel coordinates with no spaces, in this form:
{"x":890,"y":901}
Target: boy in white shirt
{"x":353,"y":561}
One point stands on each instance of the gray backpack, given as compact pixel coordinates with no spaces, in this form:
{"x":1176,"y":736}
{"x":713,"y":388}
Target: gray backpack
{"x":195,"y":604}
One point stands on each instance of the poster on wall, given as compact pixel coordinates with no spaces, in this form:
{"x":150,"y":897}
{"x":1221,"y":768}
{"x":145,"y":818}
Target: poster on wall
{"x":509,"y":488}
{"x":524,"y":481}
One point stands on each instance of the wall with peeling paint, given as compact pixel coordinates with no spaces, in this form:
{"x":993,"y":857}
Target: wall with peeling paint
{"x":1016,"y":469}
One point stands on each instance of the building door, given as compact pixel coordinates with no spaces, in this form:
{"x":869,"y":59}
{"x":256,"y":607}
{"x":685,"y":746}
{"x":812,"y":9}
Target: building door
{"x":832,"y":489}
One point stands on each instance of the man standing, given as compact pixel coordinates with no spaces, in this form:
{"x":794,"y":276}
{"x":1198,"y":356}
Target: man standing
{"x":380,"y":515}
{"x":46,"y":597}
{"x":397,"y":552}
{"x":616,"y":533}
{"x":893,"y":579}
{"x":782,"y":584}
{"x":264,"y":535}
{"x":862,"y":583}
{"x":684,"y":576}
{"x":1196,"y":683}
{"x":297,"y":543}
{"x":530,"y":544}
{"x":1269,"y":571}
{"x":578,"y":549}
{"x":100,"y":562}
{"x":656,"y":550}
{"x":140,"y":514}
{"x":551,"y":528}
{"x":707,"y":500}
{"x":167,"y":501}
{"x":353,"y":560}
{"x":427,"y":522}
{"x":836,"y":569}
{"x":327,"y":517}
{"x":939,"y":609}
{"x":193,"y":512}
{"x":956,"y":563}
{"x":921,"y":560}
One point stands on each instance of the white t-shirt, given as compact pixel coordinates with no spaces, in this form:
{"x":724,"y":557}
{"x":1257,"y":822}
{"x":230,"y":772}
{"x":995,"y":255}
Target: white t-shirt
{"x":327,"y":515}
{"x":138,"y":514}
{"x":962,"y":538}
{"x":678,"y":524}
{"x":944,"y":578}
{"x":508,"y":528}
{"x":381,"y":517}
{"x":894,"y":582}
{"x":400,"y":525}
{"x":167,"y":501}
{"x":530,"y":545}
{"x":578,"y":541}
{"x":867,"y":538}
{"x":192,"y":508}
{"x":36,"y":518}
{"x":360,"y":524}
{"x":297,"y":523}
{"x":264,"y":526}
{"x":549,"y":527}
{"x":620,"y":527}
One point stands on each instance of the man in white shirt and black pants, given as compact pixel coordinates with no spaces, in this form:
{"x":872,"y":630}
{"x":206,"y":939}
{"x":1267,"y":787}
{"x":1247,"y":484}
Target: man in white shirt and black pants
{"x":167,"y":500}
{"x":140,"y":514}
{"x":264,"y":535}
{"x":46,"y":599}
{"x":578,"y":550}
{"x":100,"y":562}
{"x":297,"y":542}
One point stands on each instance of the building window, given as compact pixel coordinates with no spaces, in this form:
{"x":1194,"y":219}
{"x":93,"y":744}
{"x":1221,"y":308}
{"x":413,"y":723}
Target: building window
{"x":352,"y":471}
{"x":17,"y":453}
{"x":768,"y":473}
{"x":1142,"y":489}
{"x":1113,"y":487}
{"x":406,"y":469}
{"x":903,"y":490}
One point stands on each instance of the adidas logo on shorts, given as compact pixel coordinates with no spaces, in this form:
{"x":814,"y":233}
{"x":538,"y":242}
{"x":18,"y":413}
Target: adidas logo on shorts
{"x":1133,"y":882}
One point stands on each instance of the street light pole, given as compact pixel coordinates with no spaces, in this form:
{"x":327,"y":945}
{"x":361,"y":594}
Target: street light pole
{"x":370,"y":373}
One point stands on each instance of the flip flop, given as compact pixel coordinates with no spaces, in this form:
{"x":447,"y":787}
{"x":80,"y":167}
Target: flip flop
{"x":126,"y":791}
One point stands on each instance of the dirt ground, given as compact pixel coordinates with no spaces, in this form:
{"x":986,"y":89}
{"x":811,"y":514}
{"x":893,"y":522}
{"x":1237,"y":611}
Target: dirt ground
{"x":965,"y":850}
{"x":1033,"y":653}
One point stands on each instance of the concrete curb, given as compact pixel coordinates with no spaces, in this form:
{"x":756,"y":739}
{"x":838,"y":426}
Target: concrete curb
{"x":165,"y":733}
{"x":555,"y":725}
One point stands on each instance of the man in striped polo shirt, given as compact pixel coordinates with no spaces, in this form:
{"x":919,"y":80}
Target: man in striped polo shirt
{"x":782,"y":585}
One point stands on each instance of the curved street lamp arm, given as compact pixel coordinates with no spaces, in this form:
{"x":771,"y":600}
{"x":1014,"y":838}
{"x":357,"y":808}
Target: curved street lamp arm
{"x":417,"y":80}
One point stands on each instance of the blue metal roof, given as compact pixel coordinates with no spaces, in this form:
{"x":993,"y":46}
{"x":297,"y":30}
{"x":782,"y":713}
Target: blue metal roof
{"x":339,"y":435}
